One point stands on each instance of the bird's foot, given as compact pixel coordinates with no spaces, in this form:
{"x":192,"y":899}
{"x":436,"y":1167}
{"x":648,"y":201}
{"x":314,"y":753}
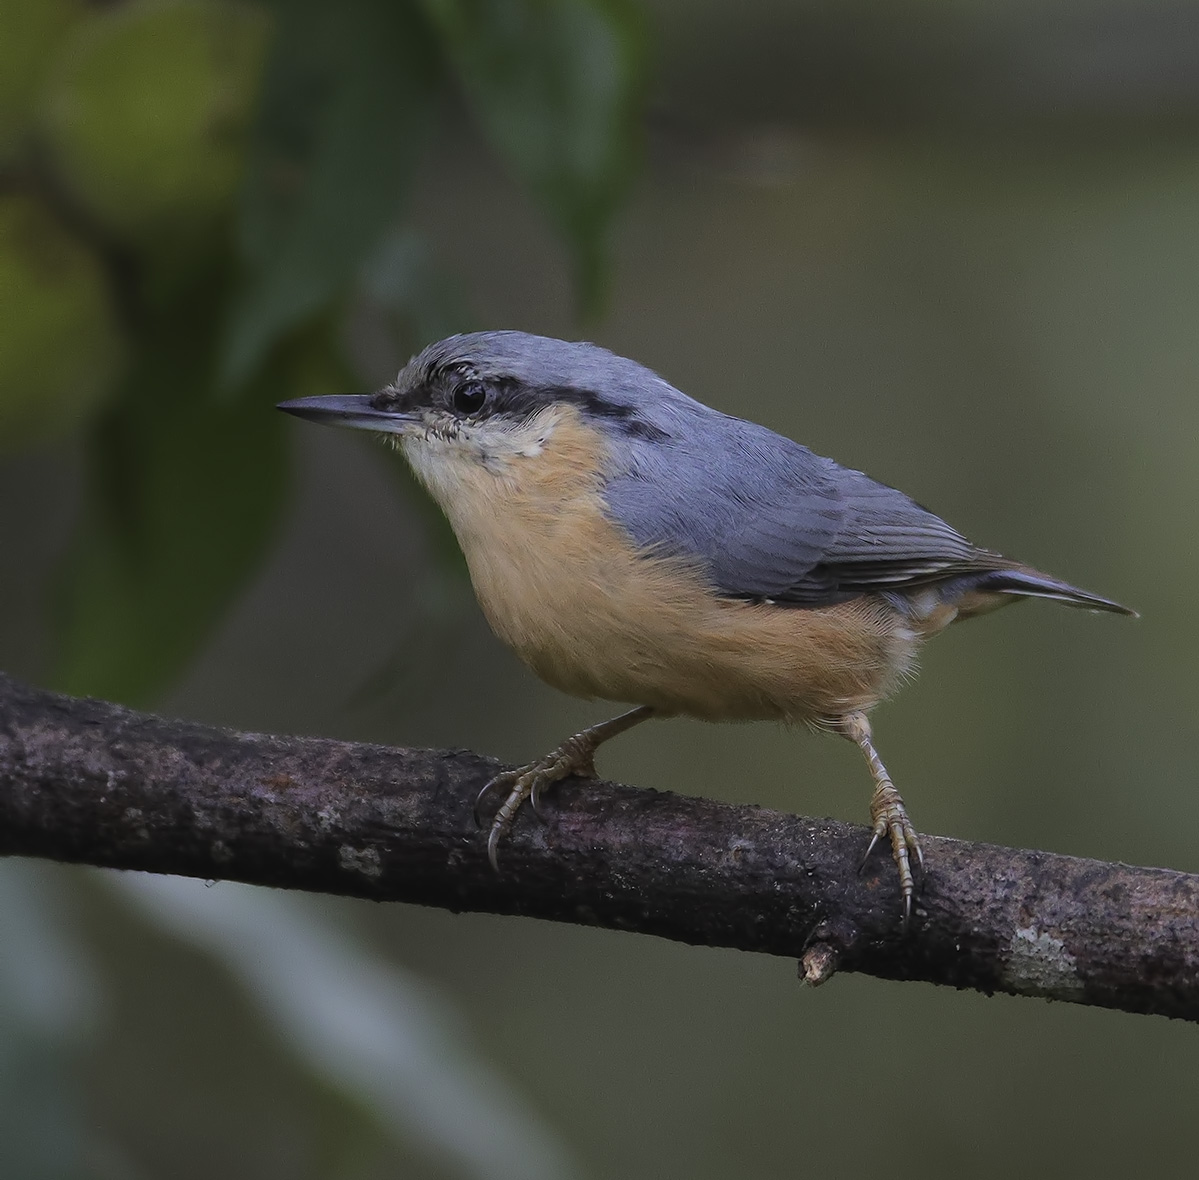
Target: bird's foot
{"x":891,"y":819}
{"x":575,"y":756}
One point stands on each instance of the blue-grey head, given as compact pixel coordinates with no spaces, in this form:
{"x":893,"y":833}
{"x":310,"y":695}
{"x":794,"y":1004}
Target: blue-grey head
{"x":486,"y":407}
{"x":489,"y":391}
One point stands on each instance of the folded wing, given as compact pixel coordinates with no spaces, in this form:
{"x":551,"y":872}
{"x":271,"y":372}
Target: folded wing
{"x":766,"y":518}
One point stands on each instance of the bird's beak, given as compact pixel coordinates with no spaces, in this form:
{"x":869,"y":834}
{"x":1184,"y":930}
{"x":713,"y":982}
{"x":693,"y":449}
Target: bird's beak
{"x":349,"y":409}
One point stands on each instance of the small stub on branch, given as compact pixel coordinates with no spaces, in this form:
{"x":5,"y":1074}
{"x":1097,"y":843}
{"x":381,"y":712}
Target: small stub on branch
{"x":1040,"y":965}
{"x":818,"y":964}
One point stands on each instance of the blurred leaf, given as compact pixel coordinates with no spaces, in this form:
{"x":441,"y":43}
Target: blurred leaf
{"x":557,"y":87}
{"x":46,"y":978}
{"x":378,"y":1036}
{"x":61,"y":348}
{"x":183,"y":495}
{"x":32,"y":32}
{"x":47,"y":1003}
{"x":347,"y":96}
{"x":405,"y":301}
{"x":146,"y":111}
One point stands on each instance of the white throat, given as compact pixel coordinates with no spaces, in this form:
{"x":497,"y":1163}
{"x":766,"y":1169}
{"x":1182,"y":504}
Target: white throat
{"x":446,"y":455}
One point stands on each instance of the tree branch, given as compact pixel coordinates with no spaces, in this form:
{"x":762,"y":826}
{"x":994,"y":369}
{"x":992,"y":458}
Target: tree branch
{"x":91,"y":782}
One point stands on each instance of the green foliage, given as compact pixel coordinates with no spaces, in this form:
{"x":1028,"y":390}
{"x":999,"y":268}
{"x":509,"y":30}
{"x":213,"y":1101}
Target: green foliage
{"x":556,"y":86}
{"x":232,"y":176}
{"x":183,"y":496}
{"x":31,"y":33}
{"x":146,"y":110}
{"x":60,"y":347}
{"x":346,"y":101}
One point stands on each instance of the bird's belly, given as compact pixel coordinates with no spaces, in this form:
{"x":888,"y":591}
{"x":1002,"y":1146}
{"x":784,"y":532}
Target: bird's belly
{"x":751,"y":663}
{"x":595,"y":618}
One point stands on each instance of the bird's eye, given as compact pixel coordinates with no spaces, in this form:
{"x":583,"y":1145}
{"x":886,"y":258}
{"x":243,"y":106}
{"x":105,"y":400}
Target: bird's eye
{"x":470,"y":398}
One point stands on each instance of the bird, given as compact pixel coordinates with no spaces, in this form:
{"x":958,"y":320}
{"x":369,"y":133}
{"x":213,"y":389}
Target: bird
{"x":632,"y":544}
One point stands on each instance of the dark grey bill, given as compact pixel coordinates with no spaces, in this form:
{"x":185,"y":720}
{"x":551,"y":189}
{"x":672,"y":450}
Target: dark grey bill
{"x":347,"y":409}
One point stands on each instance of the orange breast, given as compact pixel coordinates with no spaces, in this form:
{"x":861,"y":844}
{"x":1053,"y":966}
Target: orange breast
{"x":589,"y":613}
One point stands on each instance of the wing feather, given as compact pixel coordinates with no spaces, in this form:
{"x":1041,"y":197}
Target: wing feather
{"x":768,"y":518}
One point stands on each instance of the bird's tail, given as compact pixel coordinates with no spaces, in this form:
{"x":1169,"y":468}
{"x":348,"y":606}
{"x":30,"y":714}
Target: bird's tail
{"x":1026,"y":582}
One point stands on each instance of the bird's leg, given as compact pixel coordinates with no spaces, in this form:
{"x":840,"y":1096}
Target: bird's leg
{"x":887,"y":811}
{"x":574,"y":756}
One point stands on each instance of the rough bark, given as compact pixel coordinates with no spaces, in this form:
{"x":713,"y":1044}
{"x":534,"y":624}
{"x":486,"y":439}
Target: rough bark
{"x":91,"y":782}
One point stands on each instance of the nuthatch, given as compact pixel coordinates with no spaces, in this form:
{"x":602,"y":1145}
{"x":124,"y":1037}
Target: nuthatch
{"x":632,"y":544}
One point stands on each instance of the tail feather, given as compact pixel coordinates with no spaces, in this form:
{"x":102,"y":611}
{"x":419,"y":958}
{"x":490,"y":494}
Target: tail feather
{"x":1029,"y":583}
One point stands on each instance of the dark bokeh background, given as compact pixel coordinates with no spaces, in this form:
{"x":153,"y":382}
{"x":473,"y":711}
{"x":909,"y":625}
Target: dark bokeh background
{"x":955,"y":245}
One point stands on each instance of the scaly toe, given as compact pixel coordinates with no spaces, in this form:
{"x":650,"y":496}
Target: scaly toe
{"x":903,"y":840}
{"x":891,"y":820}
{"x":522,"y":788}
{"x":899,"y":852}
{"x":503,"y":780}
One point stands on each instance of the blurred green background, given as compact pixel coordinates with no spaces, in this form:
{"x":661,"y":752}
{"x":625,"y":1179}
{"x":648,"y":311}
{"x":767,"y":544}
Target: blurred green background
{"x":954,"y":244}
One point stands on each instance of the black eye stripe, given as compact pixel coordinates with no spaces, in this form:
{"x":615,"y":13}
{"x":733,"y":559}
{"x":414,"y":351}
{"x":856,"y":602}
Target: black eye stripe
{"x":466,"y":394}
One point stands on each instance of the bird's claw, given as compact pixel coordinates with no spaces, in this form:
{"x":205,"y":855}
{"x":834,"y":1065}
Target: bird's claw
{"x":539,"y":786}
{"x":891,"y":819}
{"x":529,"y":782}
{"x":517,"y":787}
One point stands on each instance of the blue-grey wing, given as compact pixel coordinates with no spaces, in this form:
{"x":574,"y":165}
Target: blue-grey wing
{"x":886,"y":542}
{"x":767,"y":518}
